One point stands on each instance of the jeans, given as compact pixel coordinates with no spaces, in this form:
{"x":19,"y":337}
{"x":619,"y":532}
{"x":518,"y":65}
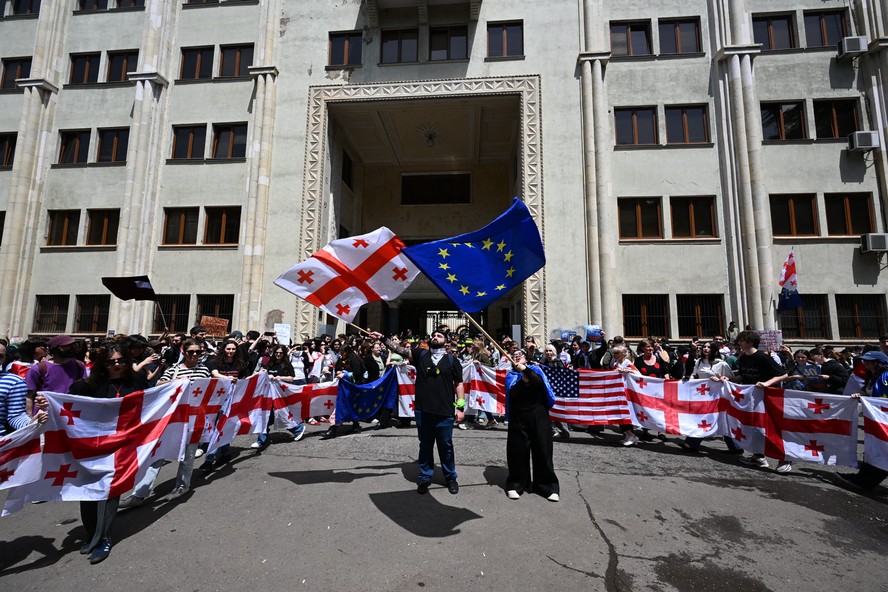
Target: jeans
{"x":433,"y":429}
{"x":263,"y":438}
{"x":183,"y":475}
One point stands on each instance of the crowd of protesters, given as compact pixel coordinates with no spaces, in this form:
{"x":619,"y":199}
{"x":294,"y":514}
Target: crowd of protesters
{"x":114,"y":366}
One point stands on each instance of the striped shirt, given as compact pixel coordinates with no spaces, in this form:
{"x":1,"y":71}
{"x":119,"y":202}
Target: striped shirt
{"x":180,"y":371}
{"x":13,"y":391}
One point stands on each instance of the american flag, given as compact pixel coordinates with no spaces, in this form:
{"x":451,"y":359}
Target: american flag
{"x":588,"y":397}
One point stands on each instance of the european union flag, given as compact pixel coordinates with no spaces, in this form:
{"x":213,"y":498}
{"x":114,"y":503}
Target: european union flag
{"x":356,"y":402}
{"x":477,"y":268}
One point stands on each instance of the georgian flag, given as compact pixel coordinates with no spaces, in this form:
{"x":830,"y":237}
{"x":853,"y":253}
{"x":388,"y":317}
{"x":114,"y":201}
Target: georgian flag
{"x":350,"y":272}
{"x":744,"y":417}
{"x":245,"y":411}
{"x":293,"y":404}
{"x":406,"y":390}
{"x":487,"y":388}
{"x":789,"y":284}
{"x":875,"y":427}
{"x":689,"y":408}
{"x":20,"y":456}
{"x":205,"y":397}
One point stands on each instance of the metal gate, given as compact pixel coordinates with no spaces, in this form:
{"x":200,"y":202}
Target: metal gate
{"x":454,"y":320}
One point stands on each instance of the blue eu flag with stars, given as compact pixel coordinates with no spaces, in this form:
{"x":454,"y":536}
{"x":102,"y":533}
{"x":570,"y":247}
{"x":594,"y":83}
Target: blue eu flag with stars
{"x":477,"y":268}
{"x":356,"y":402}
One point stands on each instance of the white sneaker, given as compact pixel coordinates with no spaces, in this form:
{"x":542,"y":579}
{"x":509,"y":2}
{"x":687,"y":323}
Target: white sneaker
{"x":462,"y":426}
{"x":630,"y":440}
{"x":554,"y":498}
{"x":375,"y":422}
{"x":784,"y":466}
{"x":198,"y":453}
{"x":755,"y":461}
{"x":512,"y":494}
{"x":255,"y":445}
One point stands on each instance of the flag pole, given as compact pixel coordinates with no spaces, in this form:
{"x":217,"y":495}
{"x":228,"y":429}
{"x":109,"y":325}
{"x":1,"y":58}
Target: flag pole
{"x":362,"y":330}
{"x":162,"y":318}
{"x":489,"y":338}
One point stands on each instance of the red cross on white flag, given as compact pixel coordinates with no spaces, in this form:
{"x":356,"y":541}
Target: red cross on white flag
{"x":293,"y":403}
{"x":675,"y":407}
{"x":406,"y":390}
{"x":487,"y":388}
{"x":20,"y":460}
{"x":875,"y":427}
{"x":351,"y":272}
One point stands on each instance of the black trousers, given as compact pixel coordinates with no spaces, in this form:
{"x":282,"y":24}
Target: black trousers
{"x":530,"y":439}
{"x":97,"y":519}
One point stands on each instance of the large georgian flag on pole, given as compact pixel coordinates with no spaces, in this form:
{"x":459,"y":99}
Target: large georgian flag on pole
{"x":293,"y":403}
{"x":789,"y":285}
{"x":245,"y":411}
{"x":584,"y":397}
{"x":875,"y":427}
{"x":20,"y":460}
{"x":406,"y":390}
{"x":95,"y":449}
{"x":487,"y":388}
{"x":351,"y":272}
{"x":689,"y":408}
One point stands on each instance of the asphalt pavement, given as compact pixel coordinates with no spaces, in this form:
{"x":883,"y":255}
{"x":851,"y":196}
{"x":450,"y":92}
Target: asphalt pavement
{"x":343,"y":514}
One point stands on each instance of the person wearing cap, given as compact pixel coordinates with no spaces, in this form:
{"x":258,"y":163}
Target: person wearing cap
{"x":59,"y":374}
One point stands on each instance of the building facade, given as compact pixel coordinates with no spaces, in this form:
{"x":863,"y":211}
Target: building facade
{"x":672,"y":154}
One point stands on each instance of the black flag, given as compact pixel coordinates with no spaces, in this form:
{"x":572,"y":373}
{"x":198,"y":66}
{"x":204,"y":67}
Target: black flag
{"x":130,"y":288}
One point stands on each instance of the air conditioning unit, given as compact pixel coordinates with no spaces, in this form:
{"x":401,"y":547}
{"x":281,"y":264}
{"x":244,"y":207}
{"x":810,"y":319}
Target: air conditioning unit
{"x":863,"y":141}
{"x":874,"y":243}
{"x":850,"y":47}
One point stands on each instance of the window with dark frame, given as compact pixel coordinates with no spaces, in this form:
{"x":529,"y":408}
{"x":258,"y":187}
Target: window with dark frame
{"x":113,"y":144}
{"x":189,"y":142}
{"x":399,"y":47}
{"x":234,"y":60}
{"x":215,"y":305}
{"x":687,"y":125}
{"x":505,"y":39}
{"x":63,"y":226}
{"x":436,"y":188}
{"x":91,"y":313}
{"x":700,"y":314}
{"x":640,"y":217}
{"x":679,"y":36}
{"x":101,"y":227}
{"x":222,"y":225}
{"x":180,"y":226}
{"x":201,"y":1}
{"x":345,"y":49}
{"x":347,"y":175}
{"x":7,"y":150}
{"x":121,"y":62}
{"x":22,"y":7}
{"x":636,"y":126}
{"x":14,"y":68}
{"x":173,"y":308}
{"x":848,"y":214}
{"x":774,"y":32}
{"x":91,"y":5}
{"x":84,"y":68}
{"x":130,"y":3}
{"x":448,"y":43}
{"x":631,"y":38}
{"x":229,"y":140}
{"x":825,"y":29}
{"x":693,"y":217}
{"x":836,"y":118}
{"x":51,"y":314}
{"x":197,"y":63}
{"x":861,"y":316}
{"x":2,"y":224}
{"x":645,"y":315}
{"x":74,"y":148}
{"x":808,"y":322}
{"x":794,"y":215}
{"x":784,"y":121}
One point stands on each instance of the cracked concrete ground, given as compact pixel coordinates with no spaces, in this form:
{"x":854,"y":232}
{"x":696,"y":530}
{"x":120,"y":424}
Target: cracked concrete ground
{"x":344,"y":514}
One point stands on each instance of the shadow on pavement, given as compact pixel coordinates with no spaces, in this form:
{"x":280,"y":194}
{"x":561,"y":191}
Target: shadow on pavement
{"x":422,"y":515}
{"x":16,"y":551}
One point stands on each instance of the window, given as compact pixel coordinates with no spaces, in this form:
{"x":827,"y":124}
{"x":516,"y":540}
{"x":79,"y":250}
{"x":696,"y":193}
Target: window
{"x":180,"y":226}
{"x":188,"y":141}
{"x":808,"y":322}
{"x":113,"y":145}
{"x":783,"y":121}
{"x":428,"y":189}
{"x":679,"y":36}
{"x":101,"y":228}
{"x":197,"y":63}
{"x":7,"y":149}
{"x":345,"y":49}
{"x":448,"y":43}
{"x":835,"y":119}
{"x":84,"y":68}
{"x":201,"y":1}
{"x":2,"y":224}
{"x":636,"y":125}
{"x":687,"y":125}
{"x":174,"y":309}
{"x":640,"y":217}
{"x":234,"y":60}
{"x":14,"y":68}
{"x":693,"y":217}
{"x":793,"y":215}
{"x":74,"y":147}
{"x":230,"y":140}
{"x":347,"y":170}
{"x":400,"y":46}
{"x":63,"y":226}
{"x":51,"y":314}
{"x":861,"y":316}
{"x":93,"y":4}
{"x":20,"y":7}
{"x":130,"y":3}
{"x":222,"y":226}
{"x":645,"y":315}
{"x":505,"y":40}
{"x":91,"y":314}
{"x":121,"y":62}
{"x":774,"y":32}
{"x":220,"y":306}
{"x":825,"y":29}
{"x":631,"y":39}
{"x":848,"y":214}
{"x":700,"y":315}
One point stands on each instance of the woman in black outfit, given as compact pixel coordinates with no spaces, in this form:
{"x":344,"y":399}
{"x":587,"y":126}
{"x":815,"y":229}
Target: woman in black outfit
{"x":112,"y":376}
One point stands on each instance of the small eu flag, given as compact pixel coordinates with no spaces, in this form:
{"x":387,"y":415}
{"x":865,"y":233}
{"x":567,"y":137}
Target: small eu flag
{"x":355,"y":402}
{"x":477,"y":268}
